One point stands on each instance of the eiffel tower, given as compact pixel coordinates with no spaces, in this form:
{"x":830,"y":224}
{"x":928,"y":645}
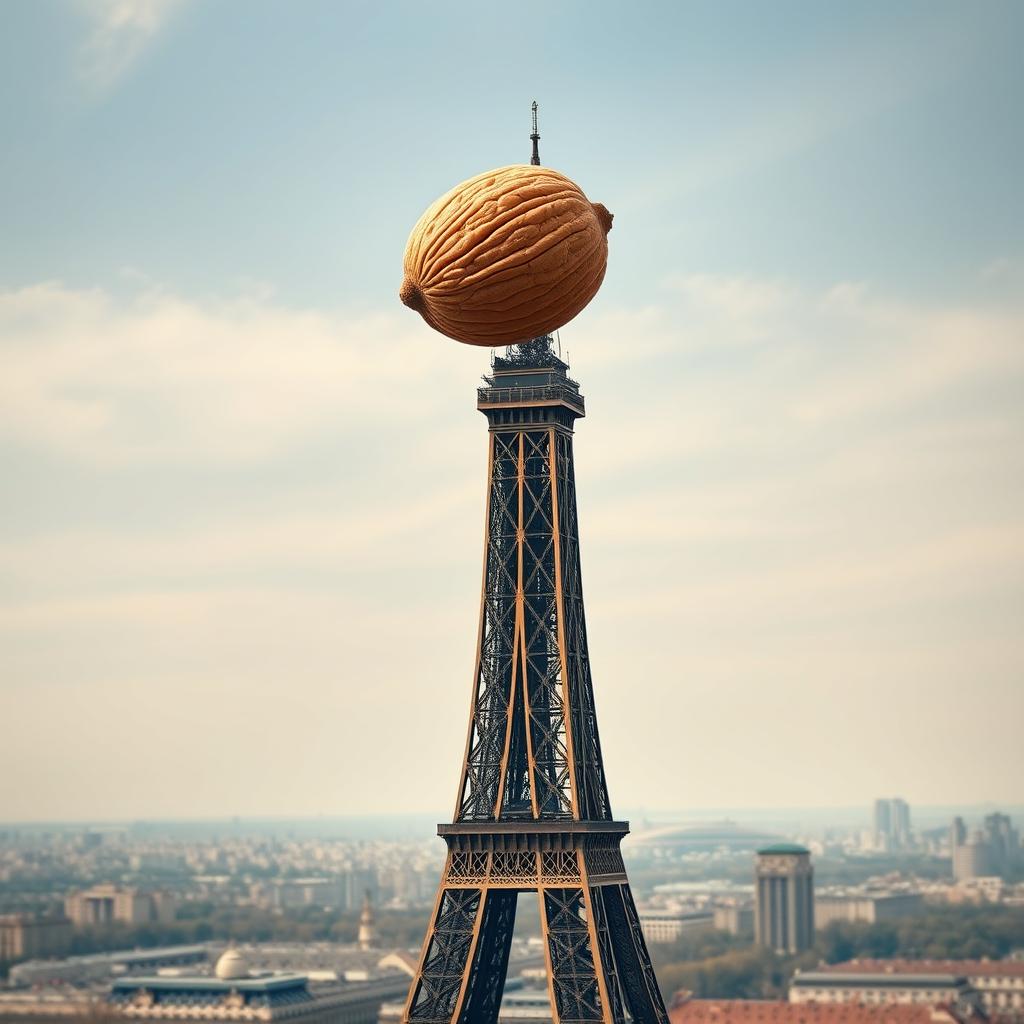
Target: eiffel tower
{"x":532,"y":811}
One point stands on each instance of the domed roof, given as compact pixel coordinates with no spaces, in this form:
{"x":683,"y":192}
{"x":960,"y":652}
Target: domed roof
{"x":703,"y":835}
{"x":231,"y":965}
{"x":784,"y":848}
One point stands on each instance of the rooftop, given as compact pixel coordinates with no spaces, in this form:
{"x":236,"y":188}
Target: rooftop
{"x":160,"y":983}
{"x":755,"y":1011}
{"x":263,"y":995}
{"x":876,"y":979}
{"x":674,"y":915}
{"x":784,"y":848}
{"x":970,"y":968}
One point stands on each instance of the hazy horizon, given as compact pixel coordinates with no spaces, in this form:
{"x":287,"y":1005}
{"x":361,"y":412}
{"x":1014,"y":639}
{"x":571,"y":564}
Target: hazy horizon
{"x":932,"y":816}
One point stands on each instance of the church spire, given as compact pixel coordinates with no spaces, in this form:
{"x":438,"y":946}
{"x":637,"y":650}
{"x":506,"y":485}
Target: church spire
{"x":535,"y":138}
{"x":367,"y":938}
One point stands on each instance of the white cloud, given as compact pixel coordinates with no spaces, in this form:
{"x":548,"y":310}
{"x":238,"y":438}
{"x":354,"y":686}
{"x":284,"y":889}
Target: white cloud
{"x":163,"y":378}
{"x":807,"y":492}
{"x":119,"y":32}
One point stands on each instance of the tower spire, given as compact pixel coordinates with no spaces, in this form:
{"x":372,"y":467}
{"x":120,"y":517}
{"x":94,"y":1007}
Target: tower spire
{"x":535,"y":138}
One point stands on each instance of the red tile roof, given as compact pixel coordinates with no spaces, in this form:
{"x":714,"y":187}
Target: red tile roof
{"x":755,"y":1011}
{"x":972,"y":968}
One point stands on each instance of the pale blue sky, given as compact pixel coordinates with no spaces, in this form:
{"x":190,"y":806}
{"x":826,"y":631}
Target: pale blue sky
{"x":294,"y":143}
{"x":242,"y":486}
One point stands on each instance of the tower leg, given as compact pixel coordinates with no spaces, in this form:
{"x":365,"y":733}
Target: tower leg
{"x":462,"y":972}
{"x":624,"y":955}
{"x":573,"y":980}
{"x":490,"y":961}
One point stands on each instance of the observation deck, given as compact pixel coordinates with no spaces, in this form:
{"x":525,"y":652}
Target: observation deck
{"x":530,"y":385}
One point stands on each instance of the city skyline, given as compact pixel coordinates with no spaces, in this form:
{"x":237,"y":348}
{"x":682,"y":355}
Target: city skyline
{"x":786,"y":820}
{"x":241,"y":540}
{"x":726,"y":912}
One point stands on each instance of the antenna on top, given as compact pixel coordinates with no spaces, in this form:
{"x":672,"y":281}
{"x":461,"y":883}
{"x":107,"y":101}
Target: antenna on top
{"x":535,"y":137}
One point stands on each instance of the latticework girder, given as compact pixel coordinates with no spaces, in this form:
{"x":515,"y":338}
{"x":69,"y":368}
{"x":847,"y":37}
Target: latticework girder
{"x":532,"y":811}
{"x":533,"y":747}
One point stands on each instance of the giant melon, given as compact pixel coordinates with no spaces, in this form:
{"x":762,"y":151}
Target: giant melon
{"x":506,"y":256}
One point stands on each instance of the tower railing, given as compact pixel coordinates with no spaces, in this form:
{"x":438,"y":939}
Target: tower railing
{"x":547,"y":393}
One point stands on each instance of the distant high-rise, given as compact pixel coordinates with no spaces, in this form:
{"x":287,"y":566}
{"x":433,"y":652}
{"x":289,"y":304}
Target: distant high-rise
{"x":892,"y":824}
{"x":957,"y":834}
{"x":104,"y":904}
{"x":900,"y":823}
{"x":22,"y":937}
{"x":971,"y":859}
{"x":993,"y":850}
{"x":883,"y":824}
{"x":784,"y":908}
{"x":1003,"y":842}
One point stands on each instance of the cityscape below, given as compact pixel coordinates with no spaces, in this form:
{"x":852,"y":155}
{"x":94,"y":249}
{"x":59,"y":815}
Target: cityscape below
{"x":889,"y":914}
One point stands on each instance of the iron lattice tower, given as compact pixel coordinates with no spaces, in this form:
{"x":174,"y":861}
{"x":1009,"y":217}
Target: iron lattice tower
{"x":532,"y":811}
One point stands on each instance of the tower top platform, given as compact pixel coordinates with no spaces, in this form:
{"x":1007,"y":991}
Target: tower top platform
{"x":530,"y":376}
{"x":527,"y":826}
